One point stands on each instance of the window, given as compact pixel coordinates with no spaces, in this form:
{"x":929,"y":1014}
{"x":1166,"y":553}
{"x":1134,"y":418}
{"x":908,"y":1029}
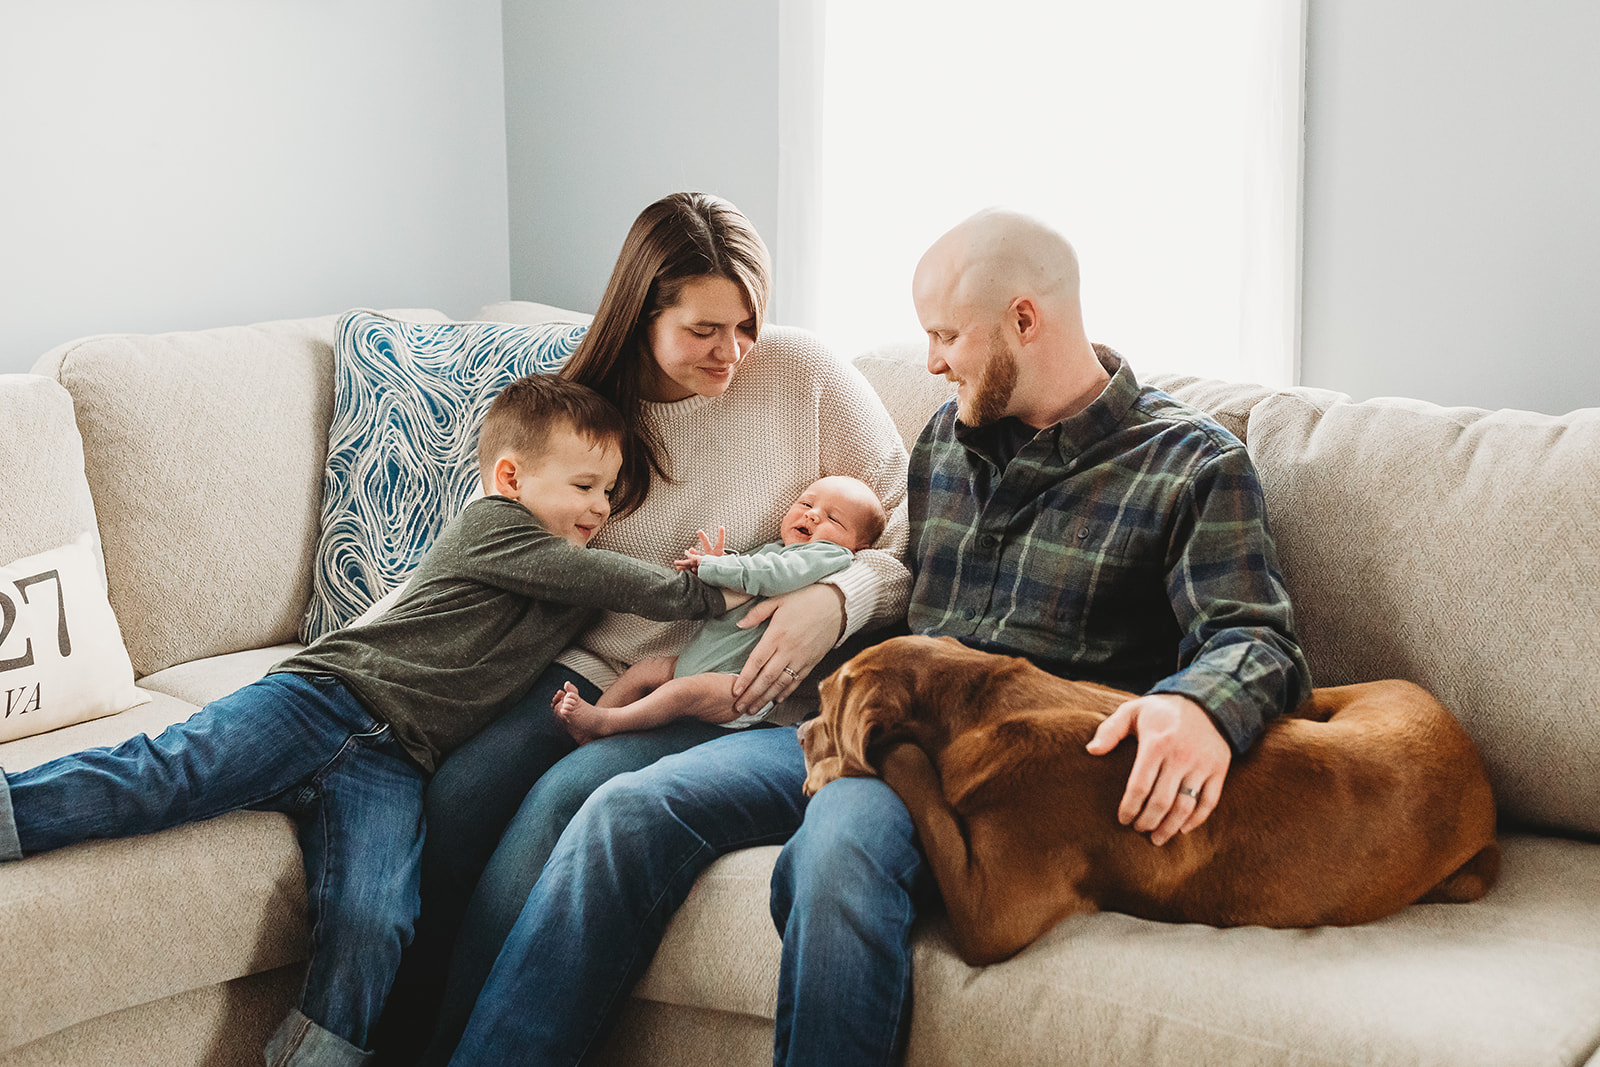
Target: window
{"x":1162,"y":137}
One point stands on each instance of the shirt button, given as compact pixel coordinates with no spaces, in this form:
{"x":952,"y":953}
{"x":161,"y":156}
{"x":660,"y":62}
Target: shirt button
{"x":971,"y":614}
{"x":989,"y":541}
{"x":1083,"y":531}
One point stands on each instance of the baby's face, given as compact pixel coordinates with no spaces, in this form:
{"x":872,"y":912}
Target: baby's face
{"x":831,"y":509}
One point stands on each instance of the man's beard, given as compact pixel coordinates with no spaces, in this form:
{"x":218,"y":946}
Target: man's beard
{"x":991,"y":395}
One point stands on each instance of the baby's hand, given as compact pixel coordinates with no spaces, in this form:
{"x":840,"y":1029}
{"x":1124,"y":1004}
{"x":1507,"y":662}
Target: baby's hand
{"x":692,"y":554}
{"x":706,"y":547}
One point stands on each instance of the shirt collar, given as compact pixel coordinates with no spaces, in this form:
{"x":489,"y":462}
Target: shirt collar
{"x":1075,"y":434}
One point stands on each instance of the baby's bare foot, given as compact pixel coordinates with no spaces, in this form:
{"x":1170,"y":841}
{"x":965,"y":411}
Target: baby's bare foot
{"x":583,"y":720}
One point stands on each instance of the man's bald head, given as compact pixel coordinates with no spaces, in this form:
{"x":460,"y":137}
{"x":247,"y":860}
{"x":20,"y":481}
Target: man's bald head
{"x":990,"y":259}
{"x":998,"y":298}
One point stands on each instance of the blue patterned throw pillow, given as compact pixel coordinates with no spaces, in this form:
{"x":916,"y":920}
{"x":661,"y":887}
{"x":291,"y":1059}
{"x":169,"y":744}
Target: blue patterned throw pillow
{"x":402,"y":450}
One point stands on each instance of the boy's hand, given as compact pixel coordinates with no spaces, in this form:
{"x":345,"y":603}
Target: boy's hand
{"x":691,"y":555}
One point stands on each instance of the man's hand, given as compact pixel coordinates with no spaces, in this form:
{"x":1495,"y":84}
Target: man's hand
{"x":1179,"y":748}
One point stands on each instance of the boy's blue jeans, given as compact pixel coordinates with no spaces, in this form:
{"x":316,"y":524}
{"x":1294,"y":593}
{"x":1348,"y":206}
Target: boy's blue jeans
{"x":844,"y":895}
{"x":297,"y":744}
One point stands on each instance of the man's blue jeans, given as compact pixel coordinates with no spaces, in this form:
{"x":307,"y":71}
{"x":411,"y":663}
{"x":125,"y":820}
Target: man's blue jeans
{"x":301,"y":745}
{"x":843,"y":898}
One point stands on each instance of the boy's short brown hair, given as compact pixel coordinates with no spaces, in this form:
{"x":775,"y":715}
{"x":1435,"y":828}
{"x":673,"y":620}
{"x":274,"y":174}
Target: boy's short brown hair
{"x":525,"y":413}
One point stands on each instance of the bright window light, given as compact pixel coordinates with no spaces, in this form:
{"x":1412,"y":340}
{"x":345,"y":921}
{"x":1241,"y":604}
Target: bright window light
{"x":1161,"y":137}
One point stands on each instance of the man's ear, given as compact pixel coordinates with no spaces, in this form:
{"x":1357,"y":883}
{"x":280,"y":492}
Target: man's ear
{"x":1025,"y":318}
{"x":506,"y":476}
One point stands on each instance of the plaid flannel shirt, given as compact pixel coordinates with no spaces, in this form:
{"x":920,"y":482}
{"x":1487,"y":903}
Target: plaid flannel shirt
{"x":1126,"y":545}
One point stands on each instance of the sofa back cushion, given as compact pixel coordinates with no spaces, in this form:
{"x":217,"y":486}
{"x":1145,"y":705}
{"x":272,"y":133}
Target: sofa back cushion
{"x":899,"y":374}
{"x":47,"y":498}
{"x":1456,"y":548}
{"x":204,"y":454}
{"x":62,"y":659}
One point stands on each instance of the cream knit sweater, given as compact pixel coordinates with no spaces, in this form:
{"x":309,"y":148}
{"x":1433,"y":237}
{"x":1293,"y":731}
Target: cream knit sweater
{"x":794,"y":413}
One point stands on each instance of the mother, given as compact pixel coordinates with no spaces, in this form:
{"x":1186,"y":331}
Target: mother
{"x":731,"y":429}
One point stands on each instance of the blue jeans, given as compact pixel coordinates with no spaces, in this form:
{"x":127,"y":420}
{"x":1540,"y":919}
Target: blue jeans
{"x":844,"y":896}
{"x":300,"y":745}
{"x":495,"y":809}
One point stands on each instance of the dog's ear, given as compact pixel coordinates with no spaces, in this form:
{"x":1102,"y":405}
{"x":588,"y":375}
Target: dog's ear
{"x":875,"y":709}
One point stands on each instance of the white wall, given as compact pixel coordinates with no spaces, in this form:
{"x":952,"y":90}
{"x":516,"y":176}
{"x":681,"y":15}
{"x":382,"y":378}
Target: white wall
{"x":611,"y":104}
{"x":180,"y":164}
{"x":1452,"y":201}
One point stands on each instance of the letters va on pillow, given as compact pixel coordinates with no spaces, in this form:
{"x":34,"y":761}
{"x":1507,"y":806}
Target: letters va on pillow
{"x":62,"y":660}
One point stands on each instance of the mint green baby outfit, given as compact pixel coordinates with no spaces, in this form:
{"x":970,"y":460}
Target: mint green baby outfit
{"x":721,"y":647}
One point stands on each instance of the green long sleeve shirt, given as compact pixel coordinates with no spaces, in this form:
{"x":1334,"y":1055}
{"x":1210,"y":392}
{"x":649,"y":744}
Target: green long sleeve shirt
{"x":486,"y":611}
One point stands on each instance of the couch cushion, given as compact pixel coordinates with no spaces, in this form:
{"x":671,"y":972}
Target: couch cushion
{"x":205,"y":458}
{"x":113,"y":924}
{"x":402,"y":446}
{"x":47,"y":497}
{"x":48,"y":505}
{"x":201,"y":681}
{"x":1230,"y":403}
{"x":899,"y":373}
{"x":529,"y":313}
{"x":1456,"y":548}
{"x":1512,"y":978}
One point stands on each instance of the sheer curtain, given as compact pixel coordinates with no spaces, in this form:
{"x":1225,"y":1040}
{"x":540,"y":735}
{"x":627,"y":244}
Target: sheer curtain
{"x":1161,"y":136}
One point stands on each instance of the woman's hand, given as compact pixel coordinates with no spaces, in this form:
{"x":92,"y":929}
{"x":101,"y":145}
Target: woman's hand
{"x":805,"y":625}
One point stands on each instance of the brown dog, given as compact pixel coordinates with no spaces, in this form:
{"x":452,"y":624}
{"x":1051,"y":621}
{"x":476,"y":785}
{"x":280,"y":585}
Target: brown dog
{"x":1369,"y":798}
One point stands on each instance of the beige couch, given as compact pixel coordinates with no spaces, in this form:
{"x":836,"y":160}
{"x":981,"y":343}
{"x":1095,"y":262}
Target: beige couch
{"x":1459,"y":548}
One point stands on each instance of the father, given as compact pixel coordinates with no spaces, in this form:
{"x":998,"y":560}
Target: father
{"x":1058,"y":511}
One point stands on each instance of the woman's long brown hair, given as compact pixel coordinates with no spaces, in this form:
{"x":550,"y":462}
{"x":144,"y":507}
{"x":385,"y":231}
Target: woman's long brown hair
{"x":674,"y":241}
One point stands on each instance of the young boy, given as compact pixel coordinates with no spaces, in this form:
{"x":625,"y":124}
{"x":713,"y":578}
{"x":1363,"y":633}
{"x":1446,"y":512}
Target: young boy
{"x":831,"y":521}
{"x":344,"y":734}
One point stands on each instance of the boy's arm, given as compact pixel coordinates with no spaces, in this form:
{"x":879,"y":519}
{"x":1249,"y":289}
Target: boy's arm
{"x":501,"y":549}
{"x":773,"y":571}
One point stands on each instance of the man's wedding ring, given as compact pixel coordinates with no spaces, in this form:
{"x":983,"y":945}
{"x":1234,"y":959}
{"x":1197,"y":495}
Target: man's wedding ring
{"x":1189,"y":791}
{"x":791,"y":674}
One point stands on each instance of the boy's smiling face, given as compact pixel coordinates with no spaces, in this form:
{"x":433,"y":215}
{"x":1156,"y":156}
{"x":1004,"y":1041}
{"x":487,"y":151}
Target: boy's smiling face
{"x":567,"y":486}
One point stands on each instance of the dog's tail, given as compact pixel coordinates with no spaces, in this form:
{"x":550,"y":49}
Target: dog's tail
{"x":1470,"y":881}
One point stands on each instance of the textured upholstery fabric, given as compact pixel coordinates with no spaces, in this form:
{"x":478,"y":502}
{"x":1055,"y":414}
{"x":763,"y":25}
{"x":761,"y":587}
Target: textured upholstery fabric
{"x":402,"y":444}
{"x":719,"y":912}
{"x":529,"y":313}
{"x":1456,"y":548}
{"x":1512,"y":979}
{"x":126,"y":922}
{"x":223,"y":1025}
{"x":47,"y":499}
{"x":899,"y":373}
{"x":205,"y":458}
{"x":205,"y":455}
{"x":41,"y":460}
{"x":204,"y":680}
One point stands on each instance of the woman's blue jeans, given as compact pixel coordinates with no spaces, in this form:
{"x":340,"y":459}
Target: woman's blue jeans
{"x":291,"y":743}
{"x":844,"y":896}
{"x":495,"y":809}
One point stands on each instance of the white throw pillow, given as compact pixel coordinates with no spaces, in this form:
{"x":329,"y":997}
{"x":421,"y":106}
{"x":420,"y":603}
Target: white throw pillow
{"x":62,"y":660}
